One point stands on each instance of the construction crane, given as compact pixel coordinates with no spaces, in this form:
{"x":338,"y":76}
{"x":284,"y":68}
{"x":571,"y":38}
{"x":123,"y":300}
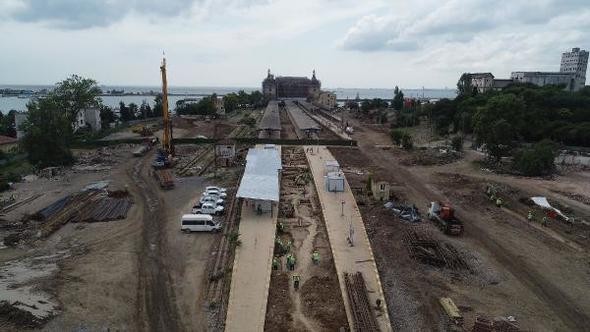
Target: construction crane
{"x":167,"y":144}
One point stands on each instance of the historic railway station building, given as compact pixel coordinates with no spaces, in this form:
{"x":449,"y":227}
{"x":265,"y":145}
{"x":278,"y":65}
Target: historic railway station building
{"x":290,"y":87}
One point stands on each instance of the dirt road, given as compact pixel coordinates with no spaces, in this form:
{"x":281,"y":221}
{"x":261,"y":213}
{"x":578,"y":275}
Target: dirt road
{"x":525,"y":256}
{"x":156,"y":309}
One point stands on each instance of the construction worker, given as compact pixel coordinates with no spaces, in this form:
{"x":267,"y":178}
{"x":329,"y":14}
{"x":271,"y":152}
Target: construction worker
{"x":275,"y":263}
{"x":281,"y":227}
{"x":499,"y":202}
{"x":530,"y":216}
{"x":544,"y":221}
{"x":315,"y":257}
{"x":290,"y":262}
{"x":296,"y":280}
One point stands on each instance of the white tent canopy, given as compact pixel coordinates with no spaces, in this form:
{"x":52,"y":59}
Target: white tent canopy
{"x":544,"y":203}
{"x":261,"y":176}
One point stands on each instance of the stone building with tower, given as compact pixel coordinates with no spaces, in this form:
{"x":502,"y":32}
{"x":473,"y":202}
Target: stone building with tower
{"x":290,"y":87}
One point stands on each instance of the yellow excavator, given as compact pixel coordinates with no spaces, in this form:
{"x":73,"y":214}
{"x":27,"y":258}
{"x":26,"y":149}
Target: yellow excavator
{"x":165,"y":154}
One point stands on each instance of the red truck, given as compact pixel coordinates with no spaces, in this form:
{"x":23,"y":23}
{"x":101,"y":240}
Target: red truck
{"x":443,"y":215}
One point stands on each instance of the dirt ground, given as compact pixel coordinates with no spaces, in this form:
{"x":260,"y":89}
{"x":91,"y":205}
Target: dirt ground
{"x":318,"y":304}
{"x":518,"y":269}
{"x":139,"y":273}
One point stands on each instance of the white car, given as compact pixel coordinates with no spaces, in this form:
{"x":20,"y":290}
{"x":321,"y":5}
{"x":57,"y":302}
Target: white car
{"x":208,"y":208}
{"x":215,"y":192}
{"x":221,"y":190}
{"x":210,"y":199}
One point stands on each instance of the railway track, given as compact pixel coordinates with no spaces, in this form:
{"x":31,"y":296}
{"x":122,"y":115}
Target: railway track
{"x":363,"y":317}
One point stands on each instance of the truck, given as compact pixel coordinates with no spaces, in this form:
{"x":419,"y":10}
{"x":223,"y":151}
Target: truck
{"x":165,"y":178}
{"x":443,"y":215}
{"x":209,"y":208}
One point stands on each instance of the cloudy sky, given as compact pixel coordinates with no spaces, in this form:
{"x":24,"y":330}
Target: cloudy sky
{"x":351,"y":43}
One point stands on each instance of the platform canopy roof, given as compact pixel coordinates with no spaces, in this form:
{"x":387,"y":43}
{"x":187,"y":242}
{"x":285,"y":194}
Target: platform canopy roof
{"x":271,"y":119}
{"x":261,"y":176}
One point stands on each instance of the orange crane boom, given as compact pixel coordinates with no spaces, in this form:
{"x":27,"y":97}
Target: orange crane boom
{"x":167,"y":135}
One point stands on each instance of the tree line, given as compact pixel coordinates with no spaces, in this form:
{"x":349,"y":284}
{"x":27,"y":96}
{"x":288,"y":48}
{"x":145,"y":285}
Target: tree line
{"x":509,"y":121}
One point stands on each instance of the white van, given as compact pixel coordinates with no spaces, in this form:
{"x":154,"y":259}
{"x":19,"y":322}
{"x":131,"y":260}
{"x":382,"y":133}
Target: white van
{"x":199,"y":223}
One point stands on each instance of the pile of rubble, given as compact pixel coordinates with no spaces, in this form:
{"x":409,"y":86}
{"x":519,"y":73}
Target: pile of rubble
{"x":406,"y":212}
{"x":100,"y":159}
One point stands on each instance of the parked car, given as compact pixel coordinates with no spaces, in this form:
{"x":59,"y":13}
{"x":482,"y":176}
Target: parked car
{"x":215,"y":188}
{"x":215,"y":192}
{"x":209,"y":208}
{"x":199,"y":223}
{"x":210,"y":199}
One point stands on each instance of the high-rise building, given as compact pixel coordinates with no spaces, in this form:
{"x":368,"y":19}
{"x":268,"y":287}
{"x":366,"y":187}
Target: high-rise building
{"x":576,"y":63}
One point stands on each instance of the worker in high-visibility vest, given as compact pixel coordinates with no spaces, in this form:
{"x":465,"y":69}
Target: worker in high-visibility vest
{"x":499,"y":202}
{"x":296,"y":280}
{"x":544,"y":221}
{"x":530,"y":216}
{"x":275,"y":263}
{"x":315,"y":257}
{"x":290,"y":262}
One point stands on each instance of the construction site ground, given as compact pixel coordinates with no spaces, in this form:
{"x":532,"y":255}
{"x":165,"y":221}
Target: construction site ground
{"x":537,"y":275}
{"x":139,"y":273}
{"x":318,"y":304}
{"x":348,"y":238}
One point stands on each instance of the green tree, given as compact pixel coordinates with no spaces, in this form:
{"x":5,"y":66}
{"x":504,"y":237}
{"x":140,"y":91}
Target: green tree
{"x":498,"y":123}
{"x":230,"y":102}
{"x":125,"y":112}
{"x":457,"y":143}
{"x":7,"y":126}
{"x":158,"y":108}
{"x":107,"y":116}
{"x":145,"y":110}
{"x":47,"y":133}
{"x":442,"y":115}
{"x":75,"y":94}
{"x":538,"y":160}
{"x":398,"y":99}
{"x":134,"y":110}
{"x":205,"y":106}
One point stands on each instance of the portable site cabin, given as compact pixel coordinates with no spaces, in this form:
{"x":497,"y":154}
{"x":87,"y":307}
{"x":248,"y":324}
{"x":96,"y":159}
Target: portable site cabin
{"x":335,"y":182}
{"x":260,"y":183}
{"x":332,"y":166}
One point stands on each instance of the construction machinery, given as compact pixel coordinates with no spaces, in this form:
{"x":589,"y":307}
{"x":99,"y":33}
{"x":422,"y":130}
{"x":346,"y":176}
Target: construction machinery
{"x":443,"y":216}
{"x":142,"y":130}
{"x":167,"y":144}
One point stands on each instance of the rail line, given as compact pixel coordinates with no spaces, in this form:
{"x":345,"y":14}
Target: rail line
{"x":364,"y":320}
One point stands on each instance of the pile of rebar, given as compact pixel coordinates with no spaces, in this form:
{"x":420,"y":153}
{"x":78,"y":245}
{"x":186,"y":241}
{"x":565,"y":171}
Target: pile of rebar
{"x":499,"y":325}
{"x":364,"y":319}
{"x":86,"y":206}
{"x":425,"y":249}
{"x":106,"y":209}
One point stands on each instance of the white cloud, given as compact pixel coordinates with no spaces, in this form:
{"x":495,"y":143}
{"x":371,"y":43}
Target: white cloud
{"x":369,"y":43}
